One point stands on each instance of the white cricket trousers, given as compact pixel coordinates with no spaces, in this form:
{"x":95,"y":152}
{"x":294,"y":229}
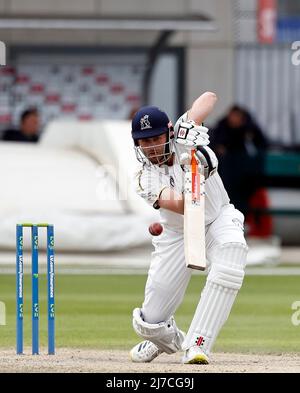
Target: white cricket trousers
{"x":168,"y":275}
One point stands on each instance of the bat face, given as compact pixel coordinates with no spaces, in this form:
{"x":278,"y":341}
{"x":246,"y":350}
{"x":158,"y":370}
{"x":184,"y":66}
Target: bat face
{"x":194,"y":217}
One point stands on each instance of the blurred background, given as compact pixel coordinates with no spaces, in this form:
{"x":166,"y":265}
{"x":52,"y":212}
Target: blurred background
{"x":76,"y":71}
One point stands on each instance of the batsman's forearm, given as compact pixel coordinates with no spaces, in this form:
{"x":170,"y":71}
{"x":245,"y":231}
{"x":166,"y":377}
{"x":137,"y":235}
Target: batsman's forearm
{"x":202,"y":107}
{"x":171,"y":200}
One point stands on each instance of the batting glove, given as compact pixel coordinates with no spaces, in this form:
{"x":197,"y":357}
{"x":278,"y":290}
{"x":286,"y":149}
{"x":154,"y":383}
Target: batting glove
{"x":191,"y":135}
{"x":205,"y":157}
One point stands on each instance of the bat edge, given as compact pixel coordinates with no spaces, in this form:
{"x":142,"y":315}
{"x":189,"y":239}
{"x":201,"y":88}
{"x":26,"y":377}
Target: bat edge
{"x":196,"y":267}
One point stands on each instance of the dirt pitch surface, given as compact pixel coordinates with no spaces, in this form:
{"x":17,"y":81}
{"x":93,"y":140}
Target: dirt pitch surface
{"x":112,"y":361}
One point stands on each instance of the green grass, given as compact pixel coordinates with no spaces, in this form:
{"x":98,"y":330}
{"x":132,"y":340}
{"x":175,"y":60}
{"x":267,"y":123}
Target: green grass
{"x":95,"y":312}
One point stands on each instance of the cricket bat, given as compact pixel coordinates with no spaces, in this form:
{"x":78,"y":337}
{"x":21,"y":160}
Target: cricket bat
{"x":194,"y":193}
{"x":194,"y":216}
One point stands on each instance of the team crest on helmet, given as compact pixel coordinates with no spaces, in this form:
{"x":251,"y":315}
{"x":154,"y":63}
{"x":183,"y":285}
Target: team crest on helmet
{"x":145,"y":123}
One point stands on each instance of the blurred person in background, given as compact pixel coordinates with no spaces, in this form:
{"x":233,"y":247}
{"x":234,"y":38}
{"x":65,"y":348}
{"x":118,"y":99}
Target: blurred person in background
{"x":240,"y":146}
{"x":29,"y":128}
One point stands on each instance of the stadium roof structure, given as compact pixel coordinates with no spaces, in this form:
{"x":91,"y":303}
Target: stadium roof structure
{"x":178,"y":23}
{"x":165,"y":26}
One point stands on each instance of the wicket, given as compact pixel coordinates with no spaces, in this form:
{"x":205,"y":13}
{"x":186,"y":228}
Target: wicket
{"x":35,"y":286}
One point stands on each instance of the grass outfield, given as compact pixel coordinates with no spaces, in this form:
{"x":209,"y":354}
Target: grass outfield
{"x":95,"y":312}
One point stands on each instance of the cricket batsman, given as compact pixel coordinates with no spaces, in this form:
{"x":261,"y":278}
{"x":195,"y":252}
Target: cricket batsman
{"x":160,"y":181}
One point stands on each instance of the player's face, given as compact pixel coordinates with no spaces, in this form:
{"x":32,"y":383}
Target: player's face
{"x":154,"y":148}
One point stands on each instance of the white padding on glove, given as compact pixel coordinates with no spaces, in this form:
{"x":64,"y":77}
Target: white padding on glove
{"x":208,"y":160}
{"x":205,"y":157}
{"x":189,"y":134}
{"x":165,"y":335}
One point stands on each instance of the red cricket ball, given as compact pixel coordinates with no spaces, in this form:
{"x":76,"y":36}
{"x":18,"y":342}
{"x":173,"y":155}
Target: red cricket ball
{"x":155,"y":229}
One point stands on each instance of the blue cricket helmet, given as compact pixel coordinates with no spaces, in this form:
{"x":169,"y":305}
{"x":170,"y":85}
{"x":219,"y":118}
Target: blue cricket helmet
{"x":148,"y":122}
